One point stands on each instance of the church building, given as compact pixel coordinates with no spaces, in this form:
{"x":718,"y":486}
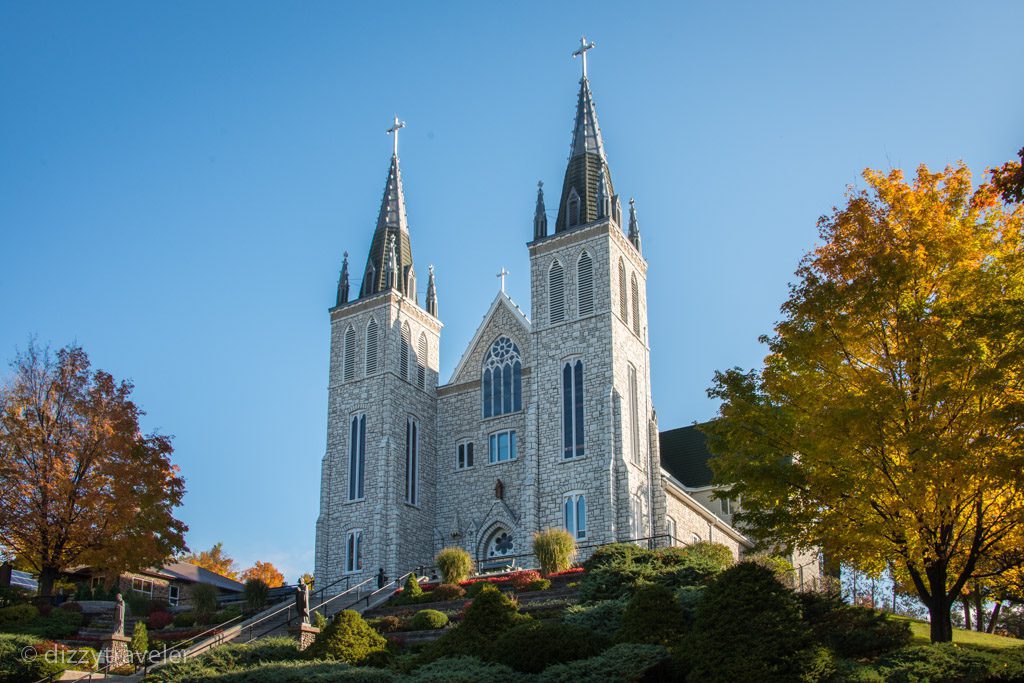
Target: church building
{"x":547,"y":420}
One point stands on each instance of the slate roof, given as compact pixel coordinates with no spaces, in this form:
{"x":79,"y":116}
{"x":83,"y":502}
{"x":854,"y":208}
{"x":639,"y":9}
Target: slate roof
{"x":391,"y":221}
{"x":685,"y":454}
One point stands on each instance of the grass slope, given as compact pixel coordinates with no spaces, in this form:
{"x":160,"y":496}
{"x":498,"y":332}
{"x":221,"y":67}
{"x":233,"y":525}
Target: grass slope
{"x":921,"y":632}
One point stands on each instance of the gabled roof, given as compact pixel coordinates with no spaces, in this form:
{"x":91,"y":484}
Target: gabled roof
{"x":502,"y":299}
{"x":685,"y":455}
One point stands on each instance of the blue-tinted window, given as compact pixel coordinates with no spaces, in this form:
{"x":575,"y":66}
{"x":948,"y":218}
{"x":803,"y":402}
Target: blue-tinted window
{"x":502,"y":446}
{"x":572,"y":410}
{"x":502,"y":379}
{"x":356,"y":457}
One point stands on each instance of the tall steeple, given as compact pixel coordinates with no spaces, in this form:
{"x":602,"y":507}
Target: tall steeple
{"x":540,"y":214}
{"x":391,"y":224}
{"x":580,"y":189}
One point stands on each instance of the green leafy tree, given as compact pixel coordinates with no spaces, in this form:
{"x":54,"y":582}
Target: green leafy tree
{"x":887,"y":422}
{"x":80,"y":484}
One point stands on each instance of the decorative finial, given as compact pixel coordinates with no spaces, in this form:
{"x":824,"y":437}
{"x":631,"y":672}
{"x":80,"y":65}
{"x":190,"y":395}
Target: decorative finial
{"x":393,"y":130}
{"x":431,"y":293}
{"x":582,"y":52}
{"x":343,"y":282}
{"x":634,"y":225}
{"x":502,"y":274}
{"x":540,"y":215}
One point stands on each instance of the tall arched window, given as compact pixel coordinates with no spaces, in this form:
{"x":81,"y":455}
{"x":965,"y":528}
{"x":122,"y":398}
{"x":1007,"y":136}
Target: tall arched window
{"x":574,"y":511}
{"x":585,"y":284}
{"x":353,"y":551}
{"x":412,"y":461}
{"x":572,"y":409}
{"x":634,"y":415}
{"x":421,"y":361}
{"x":350,"y":353}
{"x":502,"y":378}
{"x":636,"y":304}
{"x":356,"y":457}
{"x":556,"y":293}
{"x":403,"y":353}
{"x":623,"y":299}
{"x":372,"y":339}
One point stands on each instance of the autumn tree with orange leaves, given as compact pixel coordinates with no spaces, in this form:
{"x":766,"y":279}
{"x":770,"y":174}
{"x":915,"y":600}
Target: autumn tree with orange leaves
{"x":887,"y":422}
{"x":214,"y":559}
{"x":80,"y":484}
{"x":265,"y":572}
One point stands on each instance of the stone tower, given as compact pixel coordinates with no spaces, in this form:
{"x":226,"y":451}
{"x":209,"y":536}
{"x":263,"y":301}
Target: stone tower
{"x":377,"y":495}
{"x":597,"y":436}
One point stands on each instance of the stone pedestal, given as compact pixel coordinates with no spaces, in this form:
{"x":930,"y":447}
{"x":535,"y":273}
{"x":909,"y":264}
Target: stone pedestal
{"x":305,"y":634}
{"x":115,"y":650}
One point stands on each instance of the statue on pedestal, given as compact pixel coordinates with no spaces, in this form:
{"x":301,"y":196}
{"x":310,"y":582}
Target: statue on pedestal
{"x":302,"y":602}
{"x":119,"y":616}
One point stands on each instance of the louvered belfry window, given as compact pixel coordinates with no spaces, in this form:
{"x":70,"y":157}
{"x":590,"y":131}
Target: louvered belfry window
{"x":421,"y":362}
{"x":372,"y":336}
{"x":636,"y":305}
{"x":556,"y":293}
{"x":585,"y":283}
{"x":403,"y":354}
{"x":623,"y":299}
{"x":350,"y":354}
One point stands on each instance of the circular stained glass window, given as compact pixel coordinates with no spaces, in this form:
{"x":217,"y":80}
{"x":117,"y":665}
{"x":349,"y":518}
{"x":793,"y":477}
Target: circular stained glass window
{"x":501,"y":544}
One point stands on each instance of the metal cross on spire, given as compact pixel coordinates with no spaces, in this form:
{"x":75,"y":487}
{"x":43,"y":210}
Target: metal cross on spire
{"x":502,"y":274}
{"x":582,"y":52}
{"x":397,"y":126}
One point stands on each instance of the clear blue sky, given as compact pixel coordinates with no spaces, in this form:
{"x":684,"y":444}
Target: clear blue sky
{"x":178,"y":182}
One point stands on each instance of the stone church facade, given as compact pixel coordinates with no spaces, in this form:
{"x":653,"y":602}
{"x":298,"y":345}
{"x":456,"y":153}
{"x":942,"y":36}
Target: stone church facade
{"x":547,"y":421}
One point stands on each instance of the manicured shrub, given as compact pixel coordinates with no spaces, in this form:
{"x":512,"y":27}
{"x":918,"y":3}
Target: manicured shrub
{"x":608,"y":582}
{"x":951,"y":663}
{"x":447,"y":591}
{"x":455,"y":564}
{"x":490,"y":614}
{"x":256,"y":591}
{"x":319,"y":620}
{"x":693,"y":565}
{"x":185,"y":619}
{"x":348,"y":638}
{"x":58,"y":625}
{"x":748,"y":627}
{"x":602,"y":618}
{"x":624,"y":662}
{"x":18,"y":614}
{"x":856,"y":632}
{"x":652,"y":616}
{"x":428,"y":619}
{"x":159,"y":620}
{"x":140,"y":639}
{"x":554,"y":549}
{"x":204,"y":602}
{"x":386,"y":624}
{"x":461,"y":670}
{"x":538,"y":585}
{"x":532,"y":646}
{"x":227,"y":614}
{"x":412,"y":588}
{"x":473,"y":589}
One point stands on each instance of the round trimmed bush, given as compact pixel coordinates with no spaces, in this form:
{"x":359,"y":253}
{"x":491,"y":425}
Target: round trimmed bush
{"x":386,"y":624}
{"x":652,"y":616}
{"x":18,"y":614}
{"x":348,"y":638}
{"x":533,"y":646}
{"x":490,"y":614}
{"x":857,"y":632}
{"x":554,"y":550}
{"x":748,"y":627}
{"x":455,"y":564}
{"x":428,"y":619}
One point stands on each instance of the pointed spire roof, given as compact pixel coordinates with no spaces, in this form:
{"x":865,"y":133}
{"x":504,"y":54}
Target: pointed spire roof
{"x":391,"y":223}
{"x":634,"y":226}
{"x":540,"y":214}
{"x":343,"y":282}
{"x":587,"y":162}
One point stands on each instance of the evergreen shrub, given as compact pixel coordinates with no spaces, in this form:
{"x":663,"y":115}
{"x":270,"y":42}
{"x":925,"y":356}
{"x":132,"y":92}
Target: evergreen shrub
{"x":601,"y":618}
{"x":140,"y":639}
{"x":428,"y":619}
{"x":855,"y":632}
{"x":533,"y":646}
{"x":18,"y":614}
{"x":256,"y":592}
{"x":951,"y":663}
{"x":185,"y":619}
{"x":348,"y":638}
{"x":386,"y":624}
{"x":488,"y":616}
{"x":159,"y":620}
{"x":652,"y":616}
{"x":204,"y":602}
{"x":463,"y":669}
{"x":748,"y":627}
{"x":623,"y":662}
{"x":446,"y":592}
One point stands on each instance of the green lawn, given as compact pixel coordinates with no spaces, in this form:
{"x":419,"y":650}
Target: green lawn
{"x":921,"y":637}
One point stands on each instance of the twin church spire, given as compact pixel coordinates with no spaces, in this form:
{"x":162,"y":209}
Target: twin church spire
{"x":588,"y":194}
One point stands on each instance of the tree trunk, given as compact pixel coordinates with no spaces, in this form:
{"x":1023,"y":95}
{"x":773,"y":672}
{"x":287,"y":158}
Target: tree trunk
{"x":995,"y":617}
{"x":939,"y":614}
{"x":47,"y":577}
{"x":967,"y":612}
{"x":979,"y":609}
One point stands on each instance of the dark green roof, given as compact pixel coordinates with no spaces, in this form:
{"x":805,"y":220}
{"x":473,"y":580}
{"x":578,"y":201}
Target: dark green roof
{"x":685,"y":454}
